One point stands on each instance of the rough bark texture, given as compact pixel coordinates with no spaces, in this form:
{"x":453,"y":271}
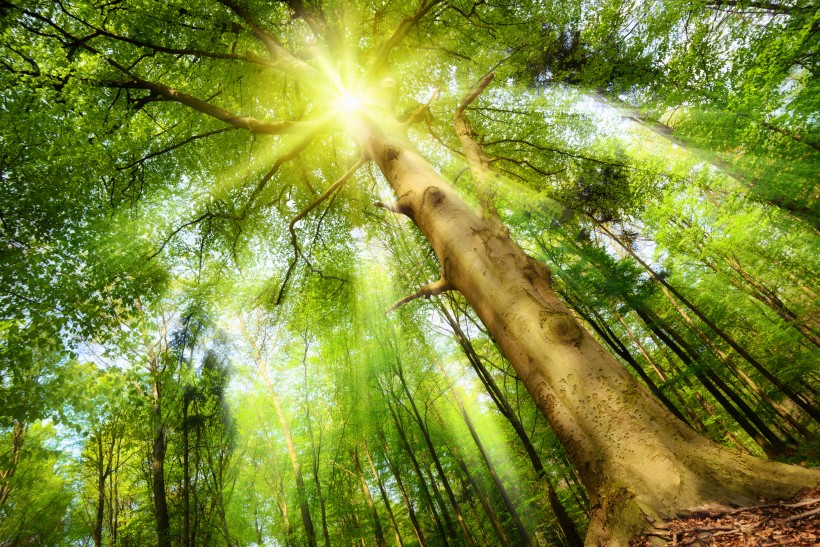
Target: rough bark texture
{"x":638,"y":463}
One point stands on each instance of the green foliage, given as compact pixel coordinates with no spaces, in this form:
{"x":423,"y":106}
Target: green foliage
{"x":137,"y":228}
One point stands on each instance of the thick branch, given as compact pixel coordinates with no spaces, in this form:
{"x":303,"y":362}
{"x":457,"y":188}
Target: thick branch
{"x":281,"y":57}
{"x":253,"y":125}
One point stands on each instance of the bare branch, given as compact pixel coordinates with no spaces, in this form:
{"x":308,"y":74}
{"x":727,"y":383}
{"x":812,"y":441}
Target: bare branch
{"x":431,"y":289}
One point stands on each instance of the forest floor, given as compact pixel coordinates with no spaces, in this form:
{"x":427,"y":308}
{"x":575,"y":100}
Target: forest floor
{"x":792,"y":522}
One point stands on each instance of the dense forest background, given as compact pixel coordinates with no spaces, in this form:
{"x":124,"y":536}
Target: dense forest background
{"x":194,"y":348}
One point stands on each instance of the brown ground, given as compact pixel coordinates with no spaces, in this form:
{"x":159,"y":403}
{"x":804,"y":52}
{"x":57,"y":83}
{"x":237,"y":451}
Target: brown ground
{"x":793,"y":522}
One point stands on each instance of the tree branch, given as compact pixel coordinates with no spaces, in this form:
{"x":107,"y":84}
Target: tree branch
{"x":253,"y":125}
{"x":403,"y":29}
{"x":281,"y":57}
{"x":174,"y":147}
{"x":431,"y":289}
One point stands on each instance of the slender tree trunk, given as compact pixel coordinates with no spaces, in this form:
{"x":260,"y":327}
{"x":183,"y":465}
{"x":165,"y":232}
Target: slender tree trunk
{"x":18,"y":435}
{"x":425,"y":433}
{"x":400,"y":485}
{"x":310,"y":533}
{"x":689,"y":356}
{"x":186,"y":475}
{"x":779,"y":410}
{"x":377,"y":523}
{"x":617,"y":346}
{"x":638,"y":462}
{"x":694,"y":419}
{"x":315,"y":451}
{"x":801,"y":402}
{"x":158,"y":469}
{"x":523,"y":535}
{"x":96,"y":535}
{"x":383,"y":491}
{"x":444,"y":535}
{"x":570,"y":532}
{"x":482,"y":498}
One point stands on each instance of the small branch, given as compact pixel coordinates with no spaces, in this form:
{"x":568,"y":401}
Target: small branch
{"x":175,"y":232}
{"x":402,"y":30}
{"x":394,"y":207}
{"x":419,"y":113}
{"x":174,"y":147}
{"x":281,"y":160}
{"x":332,"y":188}
{"x":297,"y":251}
{"x":431,"y":289}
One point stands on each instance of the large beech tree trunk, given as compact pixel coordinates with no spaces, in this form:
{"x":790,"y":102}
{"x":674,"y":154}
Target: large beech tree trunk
{"x":638,"y":462}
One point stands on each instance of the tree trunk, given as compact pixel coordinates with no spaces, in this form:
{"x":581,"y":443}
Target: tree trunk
{"x":158,"y":470}
{"x":385,"y":497}
{"x":638,"y":462}
{"x":523,"y":535}
{"x":18,"y":435}
{"x":425,"y":433}
{"x":315,"y":451}
{"x":186,"y":475}
{"x":377,"y":523}
{"x":96,"y":535}
{"x":566,"y":524}
{"x":400,"y":485}
{"x":482,"y":498}
{"x":694,"y":419}
{"x":802,"y":403}
{"x":310,"y":533}
{"x":689,"y":357}
{"x":444,"y":535}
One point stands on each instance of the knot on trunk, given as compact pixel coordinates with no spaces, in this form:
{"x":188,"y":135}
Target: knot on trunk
{"x":433,"y":196}
{"x":560,"y":327}
{"x":391,"y":153}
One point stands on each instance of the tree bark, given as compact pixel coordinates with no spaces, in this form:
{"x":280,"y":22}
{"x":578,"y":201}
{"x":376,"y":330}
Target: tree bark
{"x":638,"y":462}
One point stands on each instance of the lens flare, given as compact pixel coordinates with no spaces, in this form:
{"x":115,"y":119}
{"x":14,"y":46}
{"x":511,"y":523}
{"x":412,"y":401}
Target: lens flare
{"x":350,"y":102}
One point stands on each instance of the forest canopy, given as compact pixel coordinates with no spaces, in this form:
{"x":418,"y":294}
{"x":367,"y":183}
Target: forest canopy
{"x":415,"y":273}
